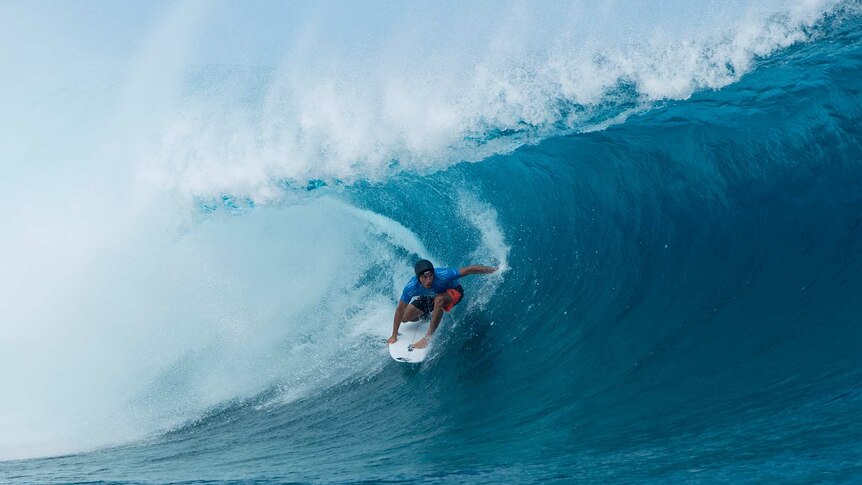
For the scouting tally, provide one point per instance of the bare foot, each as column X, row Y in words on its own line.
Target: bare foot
column 421, row 344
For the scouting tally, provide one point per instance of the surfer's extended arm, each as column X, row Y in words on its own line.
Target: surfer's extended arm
column 476, row 269
column 399, row 317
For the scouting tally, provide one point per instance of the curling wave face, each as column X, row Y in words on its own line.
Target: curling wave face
column 675, row 286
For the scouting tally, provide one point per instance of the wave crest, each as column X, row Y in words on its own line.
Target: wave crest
column 396, row 102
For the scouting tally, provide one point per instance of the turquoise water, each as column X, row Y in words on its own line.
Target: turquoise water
column 679, row 299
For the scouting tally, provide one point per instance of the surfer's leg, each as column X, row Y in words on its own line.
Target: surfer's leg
column 418, row 308
column 441, row 301
column 411, row 314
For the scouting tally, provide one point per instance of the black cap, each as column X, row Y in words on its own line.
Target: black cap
column 422, row 266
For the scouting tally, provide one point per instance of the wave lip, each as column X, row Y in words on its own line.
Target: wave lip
column 397, row 104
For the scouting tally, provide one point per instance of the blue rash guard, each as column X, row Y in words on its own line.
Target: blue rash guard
column 444, row 279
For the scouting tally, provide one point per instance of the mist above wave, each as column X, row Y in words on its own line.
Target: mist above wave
column 338, row 94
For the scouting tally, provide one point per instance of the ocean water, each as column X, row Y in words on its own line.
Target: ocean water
column 211, row 209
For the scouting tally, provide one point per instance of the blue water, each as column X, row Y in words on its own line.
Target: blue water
column 681, row 303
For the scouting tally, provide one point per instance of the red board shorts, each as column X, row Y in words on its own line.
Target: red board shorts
column 426, row 303
column 456, row 297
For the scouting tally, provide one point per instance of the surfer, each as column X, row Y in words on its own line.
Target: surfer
column 437, row 290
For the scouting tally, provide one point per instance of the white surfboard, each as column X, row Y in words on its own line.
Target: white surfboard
column 408, row 334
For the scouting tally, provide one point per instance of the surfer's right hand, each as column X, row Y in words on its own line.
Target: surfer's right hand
column 392, row 339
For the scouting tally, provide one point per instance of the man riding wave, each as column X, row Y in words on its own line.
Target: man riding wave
column 436, row 290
